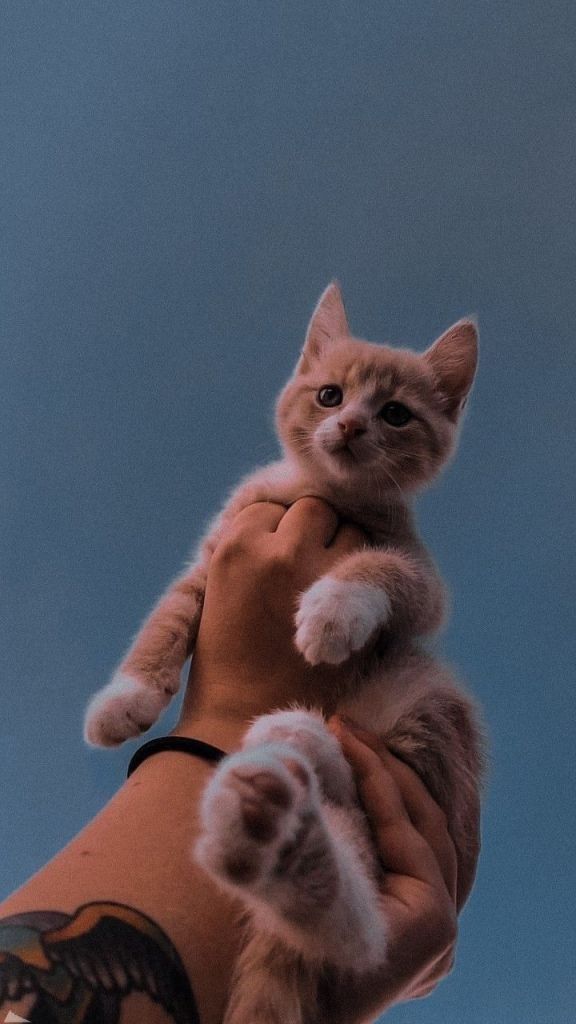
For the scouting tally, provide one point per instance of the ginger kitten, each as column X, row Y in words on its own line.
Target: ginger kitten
column 363, row 426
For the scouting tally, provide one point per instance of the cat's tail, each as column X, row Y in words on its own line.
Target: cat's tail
column 271, row 983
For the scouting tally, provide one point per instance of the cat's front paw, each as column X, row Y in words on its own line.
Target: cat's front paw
column 123, row 709
column 337, row 617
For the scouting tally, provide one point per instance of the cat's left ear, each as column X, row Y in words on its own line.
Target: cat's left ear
column 328, row 322
column 454, row 357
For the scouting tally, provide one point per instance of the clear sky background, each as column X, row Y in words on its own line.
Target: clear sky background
column 180, row 181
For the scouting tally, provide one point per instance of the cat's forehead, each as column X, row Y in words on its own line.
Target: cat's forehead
column 366, row 366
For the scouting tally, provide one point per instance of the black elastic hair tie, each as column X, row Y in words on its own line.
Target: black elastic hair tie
column 180, row 743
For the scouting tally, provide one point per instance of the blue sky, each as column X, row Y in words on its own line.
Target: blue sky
column 180, row 181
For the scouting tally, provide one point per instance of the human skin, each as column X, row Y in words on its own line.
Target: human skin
column 136, row 852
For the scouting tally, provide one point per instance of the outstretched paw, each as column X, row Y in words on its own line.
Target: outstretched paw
column 337, row 617
column 305, row 730
column 257, row 813
column 123, row 709
column 301, row 866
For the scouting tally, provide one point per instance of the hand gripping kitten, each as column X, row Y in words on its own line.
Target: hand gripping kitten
column 363, row 426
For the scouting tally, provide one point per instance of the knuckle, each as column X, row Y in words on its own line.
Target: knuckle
column 436, row 819
column 316, row 508
column 231, row 548
column 441, row 924
column 450, row 964
column 281, row 556
column 313, row 504
column 448, row 928
column 441, row 818
column 425, row 990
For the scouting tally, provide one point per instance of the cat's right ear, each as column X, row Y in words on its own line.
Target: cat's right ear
column 454, row 357
column 328, row 322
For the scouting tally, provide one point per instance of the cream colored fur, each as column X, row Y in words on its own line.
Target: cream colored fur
column 281, row 826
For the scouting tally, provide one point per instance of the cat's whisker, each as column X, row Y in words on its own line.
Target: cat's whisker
column 393, row 479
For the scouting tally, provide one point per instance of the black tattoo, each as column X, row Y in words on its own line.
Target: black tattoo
column 77, row 969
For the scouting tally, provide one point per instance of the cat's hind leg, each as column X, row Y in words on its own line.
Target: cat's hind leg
column 305, row 730
column 301, row 865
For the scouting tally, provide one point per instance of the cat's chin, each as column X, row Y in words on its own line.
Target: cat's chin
column 341, row 471
column 343, row 463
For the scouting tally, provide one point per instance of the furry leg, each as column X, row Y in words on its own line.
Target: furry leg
column 441, row 737
column 148, row 677
column 305, row 730
column 305, row 868
column 271, row 984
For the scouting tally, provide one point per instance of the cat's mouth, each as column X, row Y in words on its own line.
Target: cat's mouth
column 343, row 452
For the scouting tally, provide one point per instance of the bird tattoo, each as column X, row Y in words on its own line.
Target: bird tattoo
column 77, row 969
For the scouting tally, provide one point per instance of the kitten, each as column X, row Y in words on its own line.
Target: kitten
column 363, row 426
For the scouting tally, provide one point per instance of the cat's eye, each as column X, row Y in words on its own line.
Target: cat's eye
column 396, row 414
column 330, row 395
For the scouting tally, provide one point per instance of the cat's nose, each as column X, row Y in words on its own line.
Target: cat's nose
column 351, row 428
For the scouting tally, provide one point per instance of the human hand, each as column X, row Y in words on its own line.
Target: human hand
column 423, row 886
column 245, row 656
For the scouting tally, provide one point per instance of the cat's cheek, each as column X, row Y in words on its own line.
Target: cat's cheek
column 338, row 617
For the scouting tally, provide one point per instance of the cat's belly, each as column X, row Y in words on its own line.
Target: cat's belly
column 392, row 687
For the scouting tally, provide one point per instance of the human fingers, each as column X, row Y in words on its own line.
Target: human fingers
column 308, row 520
column 469, row 862
column 424, row 813
column 428, row 819
column 458, row 865
column 257, row 518
column 430, row 822
column 403, row 850
column 414, row 899
column 348, row 538
column 430, row 979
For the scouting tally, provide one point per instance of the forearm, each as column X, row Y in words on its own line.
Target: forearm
column 137, row 853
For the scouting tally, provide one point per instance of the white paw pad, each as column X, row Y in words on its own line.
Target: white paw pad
column 305, row 731
column 123, row 709
column 337, row 617
column 254, row 812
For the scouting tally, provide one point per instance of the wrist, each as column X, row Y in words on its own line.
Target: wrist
column 220, row 703
column 218, row 706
